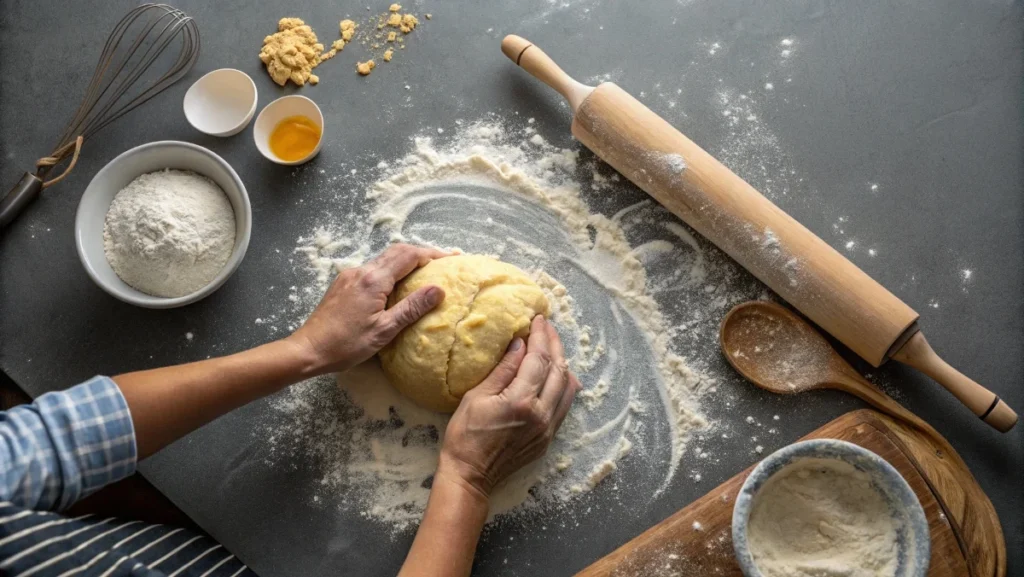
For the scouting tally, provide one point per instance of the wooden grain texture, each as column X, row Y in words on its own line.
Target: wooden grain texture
column 777, row 249
column 966, row 538
column 969, row 510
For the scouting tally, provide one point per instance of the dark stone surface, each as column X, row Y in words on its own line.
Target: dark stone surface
column 923, row 98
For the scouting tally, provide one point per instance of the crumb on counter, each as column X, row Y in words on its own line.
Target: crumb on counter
column 365, row 68
column 348, row 29
column 408, row 23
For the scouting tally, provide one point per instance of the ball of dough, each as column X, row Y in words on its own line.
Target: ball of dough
column 452, row 348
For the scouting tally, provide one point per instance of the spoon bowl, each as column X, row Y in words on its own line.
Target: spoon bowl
column 775, row 349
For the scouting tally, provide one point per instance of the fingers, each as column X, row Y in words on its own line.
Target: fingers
column 503, row 374
column 558, row 375
column 539, row 341
column 557, row 350
column 560, row 385
column 412, row 308
column 401, row 259
column 400, row 252
column 536, row 365
column 565, row 403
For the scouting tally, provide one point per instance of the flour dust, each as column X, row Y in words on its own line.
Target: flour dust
column 635, row 296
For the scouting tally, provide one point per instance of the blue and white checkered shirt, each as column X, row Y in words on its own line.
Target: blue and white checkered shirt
column 61, row 448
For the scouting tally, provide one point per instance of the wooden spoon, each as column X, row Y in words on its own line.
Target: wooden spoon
column 780, row 352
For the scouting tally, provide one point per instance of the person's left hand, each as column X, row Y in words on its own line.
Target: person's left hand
column 351, row 323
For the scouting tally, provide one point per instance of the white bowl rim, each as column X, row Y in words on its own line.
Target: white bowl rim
column 308, row 157
column 241, row 124
column 154, row 302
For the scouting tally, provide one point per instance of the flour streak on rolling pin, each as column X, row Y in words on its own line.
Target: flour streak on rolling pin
column 777, row 249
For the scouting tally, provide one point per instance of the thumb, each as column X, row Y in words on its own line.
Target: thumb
column 411, row 309
column 503, row 374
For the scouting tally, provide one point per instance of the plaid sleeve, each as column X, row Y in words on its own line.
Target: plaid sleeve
column 66, row 445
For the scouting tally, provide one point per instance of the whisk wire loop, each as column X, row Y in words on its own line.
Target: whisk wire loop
column 121, row 65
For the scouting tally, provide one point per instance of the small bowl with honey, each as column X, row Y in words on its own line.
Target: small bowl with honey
column 289, row 130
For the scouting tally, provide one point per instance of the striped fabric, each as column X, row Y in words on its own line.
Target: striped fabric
column 61, row 448
column 47, row 544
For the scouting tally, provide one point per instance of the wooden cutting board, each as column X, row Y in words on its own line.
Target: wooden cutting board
column 965, row 532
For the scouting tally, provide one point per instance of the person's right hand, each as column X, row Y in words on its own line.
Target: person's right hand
column 510, row 418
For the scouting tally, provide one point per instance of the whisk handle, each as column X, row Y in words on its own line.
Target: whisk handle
column 19, row 197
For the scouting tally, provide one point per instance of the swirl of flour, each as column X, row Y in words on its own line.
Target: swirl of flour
column 520, row 201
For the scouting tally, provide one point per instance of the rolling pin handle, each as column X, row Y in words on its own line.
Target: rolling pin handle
column 23, row 193
column 982, row 402
column 514, row 46
column 533, row 60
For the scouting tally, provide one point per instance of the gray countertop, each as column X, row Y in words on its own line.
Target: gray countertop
column 922, row 99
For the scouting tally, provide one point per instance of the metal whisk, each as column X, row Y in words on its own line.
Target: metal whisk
column 120, row 83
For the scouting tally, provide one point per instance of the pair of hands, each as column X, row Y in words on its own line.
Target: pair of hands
column 502, row 424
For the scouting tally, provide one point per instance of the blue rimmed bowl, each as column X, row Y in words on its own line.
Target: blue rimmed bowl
column 912, row 540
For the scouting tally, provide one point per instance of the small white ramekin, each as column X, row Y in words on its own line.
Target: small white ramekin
column 278, row 110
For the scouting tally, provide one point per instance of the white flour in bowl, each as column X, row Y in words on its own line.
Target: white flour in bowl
column 822, row 517
column 168, row 233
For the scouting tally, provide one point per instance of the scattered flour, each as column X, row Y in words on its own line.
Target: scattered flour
column 594, row 396
column 491, row 190
column 633, row 289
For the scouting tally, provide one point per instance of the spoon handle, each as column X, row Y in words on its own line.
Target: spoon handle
column 852, row 382
column 982, row 402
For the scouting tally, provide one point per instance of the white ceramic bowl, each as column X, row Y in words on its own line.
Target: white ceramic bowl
column 221, row 103
column 278, row 110
column 92, row 212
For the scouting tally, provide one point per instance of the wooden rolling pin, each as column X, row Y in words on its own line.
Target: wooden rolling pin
column 778, row 250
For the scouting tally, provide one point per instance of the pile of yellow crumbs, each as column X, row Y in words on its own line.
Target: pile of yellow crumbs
column 292, row 53
column 348, row 31
column 294, row 50
column 388, row 27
